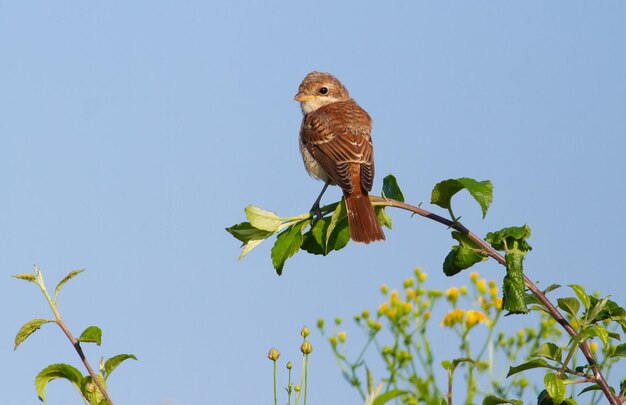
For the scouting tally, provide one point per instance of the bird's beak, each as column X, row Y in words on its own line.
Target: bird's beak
column 302, row 97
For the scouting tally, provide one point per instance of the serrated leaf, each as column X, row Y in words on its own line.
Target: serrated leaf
column 463, row 256
column 388, row 396
column 391, row 190
column 245, row 232
column 28, row 329
column 581, row 294
column 67, row 278
column 510, row 239
column 54, row 371
column 550, row 351
column 92, row 334
column 383, row 218
column 287, row 244
column 569, row 304
column 112, row 363
column 26, row 276
column 555, row 387
column 600, row 310
column 481, row 191
column 513, row 288
column 263, row 219
column 494, row 400
column 536, row 363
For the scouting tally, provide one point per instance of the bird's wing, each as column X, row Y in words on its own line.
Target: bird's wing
column 338, row 136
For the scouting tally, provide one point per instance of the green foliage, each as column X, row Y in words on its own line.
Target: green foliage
column 463, row 256
column 391, row 189
column 481, row 191
column 28, row 329
column 92, row 391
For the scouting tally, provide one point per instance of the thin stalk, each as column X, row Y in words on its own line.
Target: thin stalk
column 59, row 321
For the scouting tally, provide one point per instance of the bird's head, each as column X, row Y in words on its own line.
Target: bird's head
column 319, row 89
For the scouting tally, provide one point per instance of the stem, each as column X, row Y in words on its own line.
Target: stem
column 73, row 341
column 306, row 376
column 494, row 254
column 275, row 398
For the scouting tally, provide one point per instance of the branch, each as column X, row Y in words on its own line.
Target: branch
column 494, row 254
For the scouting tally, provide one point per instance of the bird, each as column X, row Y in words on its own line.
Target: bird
column 336, row 147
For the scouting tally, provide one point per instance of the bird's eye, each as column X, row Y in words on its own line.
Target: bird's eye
column 323, row 91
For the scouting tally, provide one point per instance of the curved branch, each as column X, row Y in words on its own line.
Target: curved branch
column 494, row 254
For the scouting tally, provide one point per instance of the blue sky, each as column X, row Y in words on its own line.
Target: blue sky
column 133, row 133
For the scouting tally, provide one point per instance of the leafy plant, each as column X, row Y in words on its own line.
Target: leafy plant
column 92, row 386
column 519, row 295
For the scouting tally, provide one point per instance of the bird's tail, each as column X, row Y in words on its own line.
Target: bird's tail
column 362, row 219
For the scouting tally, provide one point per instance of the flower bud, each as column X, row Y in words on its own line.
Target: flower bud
column 306, row 347
column 289, row 365
column 274, row 354
column 305, row 332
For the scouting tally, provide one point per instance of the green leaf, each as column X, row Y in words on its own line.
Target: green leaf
column 391, row 190
column 340, row 214
column 112, row 363
column 570, row 305
column 595, row 330
column 56, row 371
column 383, row 218
column 67, row 278
column 314, row 238
column 463, row 256
column 26, row 276
column 263, row 219
column 513, row 288
column 536, row 363
column 551, row 287
column 550, row 351
column 28, row 329
column 388, row 396
column 581, row 294
column 481, row 191
column 600, row 310
column 593, row 387
column 287, row 244
column 92, row 334
column 245, row 232
column 555, row 387
column 510, row 239
column 620, row 351
column 494, row 400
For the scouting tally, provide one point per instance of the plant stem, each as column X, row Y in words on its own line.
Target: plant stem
column 494, row 254
column 73, row 341
column 275, row 397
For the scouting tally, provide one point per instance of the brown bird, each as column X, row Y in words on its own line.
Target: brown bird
column 336, row 146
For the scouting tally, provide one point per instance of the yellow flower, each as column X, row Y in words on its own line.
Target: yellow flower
column 305, row 332
column 417, row 272
column 422, row 277
column 378, row 326
column 342, row 336
column 493, row 291
column 408, row 307
column 333, row 341
column 453, row 317
column 410, row 294
column 482, row 286
column 409, row 282
column 463, row 290
column 306, row 347
column 492, row 283
column 392, row 313
column 473, row 317
column 474, row 276
column 383, row 308
column 593, row 346
column 452, row 294
column 427, row 315
column 498, row 303
column 384, row 289
column 393, row 298
column 365, row 314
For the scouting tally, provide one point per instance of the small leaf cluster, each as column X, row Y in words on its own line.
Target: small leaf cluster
column 90, row 390
column 600, row 320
